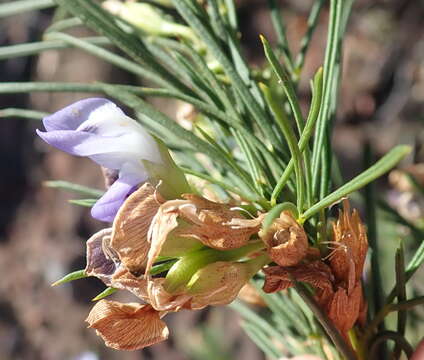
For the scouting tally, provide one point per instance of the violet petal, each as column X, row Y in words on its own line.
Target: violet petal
column 72, row 116
column 108, row 205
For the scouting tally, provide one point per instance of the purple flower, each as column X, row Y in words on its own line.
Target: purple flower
column 98, row 129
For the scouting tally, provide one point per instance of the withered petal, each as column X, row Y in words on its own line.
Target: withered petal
column 286, row 240
column 127, row 326
column 124, row 280
column 162, row 224
column 216, row 225
column 161, row 300
column 219, row 236
column 98, row 263
column 131, row 225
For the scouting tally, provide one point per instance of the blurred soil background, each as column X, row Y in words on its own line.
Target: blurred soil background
column 42, row 236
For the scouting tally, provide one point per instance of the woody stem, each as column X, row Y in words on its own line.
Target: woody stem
column 326, row 323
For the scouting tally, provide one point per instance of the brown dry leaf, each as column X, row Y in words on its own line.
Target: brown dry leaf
column 131, row 225
column 350, row 239
column 127, row 326
column 286, row 240
column 99, row 264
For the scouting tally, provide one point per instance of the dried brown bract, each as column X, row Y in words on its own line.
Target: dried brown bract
column 350, row 247
column 336, row 279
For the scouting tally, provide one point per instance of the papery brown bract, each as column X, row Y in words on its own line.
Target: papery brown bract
column 286, row 240
column 344, row 308
column 351, row 246
column 316, row 274
column 127, row 326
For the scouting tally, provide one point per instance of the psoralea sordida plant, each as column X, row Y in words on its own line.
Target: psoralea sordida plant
column 235, row 194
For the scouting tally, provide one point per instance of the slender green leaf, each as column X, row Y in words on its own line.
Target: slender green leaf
column 401, row 296
column 285, row 82
column 306, row 133
column 379, row 168
column 331, row 77
column 83, row 202
column 108, row 56
column 79, row 189
column 22, row 113
column 306, row 40
column 108, row 291
column 16, row 7
column 290, row 137
column 283, row 44
column 258, row 113
column 12, row 51
column 79, row 274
